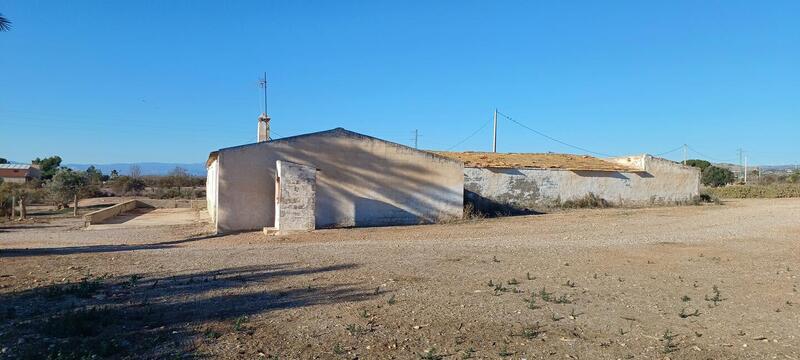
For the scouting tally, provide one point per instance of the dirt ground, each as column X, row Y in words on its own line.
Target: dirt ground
column 583, row 284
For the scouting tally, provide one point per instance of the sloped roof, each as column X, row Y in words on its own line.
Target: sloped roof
column 535, row 161
column 15, row 166
column 332, row 132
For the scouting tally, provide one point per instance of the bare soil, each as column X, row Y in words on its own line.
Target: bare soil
column 605, row 284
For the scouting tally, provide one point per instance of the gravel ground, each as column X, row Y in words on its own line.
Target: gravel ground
column 605, row 284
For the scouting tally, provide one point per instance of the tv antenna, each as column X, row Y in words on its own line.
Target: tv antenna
column 262, row 83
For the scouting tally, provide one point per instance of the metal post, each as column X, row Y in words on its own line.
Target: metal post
column 416, row 138
column 684, row 153
column 745, row 169
column 494, row 132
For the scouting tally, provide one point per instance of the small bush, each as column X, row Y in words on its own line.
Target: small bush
column 716, row 176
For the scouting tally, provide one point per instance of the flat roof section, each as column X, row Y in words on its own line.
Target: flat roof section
column 535, row 161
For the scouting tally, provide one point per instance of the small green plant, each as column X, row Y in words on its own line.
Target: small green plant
column 716, row 296
column 494, row 259
column 391, row 300
column 490, row 283
column 556, row 317
column 133, row 281
column 468, row 353
column 431, row 354
column 685, row 298
column 238, row 324
column 685, row 315
column 211, row 334
column 532, row 332
column 337, row 349
column 513, row 282
column 532, row 302
column 364, row 314
column 356, row 330
column 504, row 353
column 545, row 295
column 563, row 299
column 499, row 289
column 669, row 345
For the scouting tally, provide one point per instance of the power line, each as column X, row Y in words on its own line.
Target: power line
column 708, row 157
column 470, row 136
column 554, row 139
column 669, row 152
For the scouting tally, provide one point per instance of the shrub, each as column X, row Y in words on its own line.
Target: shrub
column 702, row 164
column 716, row 176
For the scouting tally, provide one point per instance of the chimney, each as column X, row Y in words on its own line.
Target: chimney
column 263, row 127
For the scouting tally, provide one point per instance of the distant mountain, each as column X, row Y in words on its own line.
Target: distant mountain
column 147, row 168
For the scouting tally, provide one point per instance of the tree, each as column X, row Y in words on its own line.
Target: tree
column 5, row 24
column 15, row 194
column 95, row 175
column 702, row 164
column 716, row 176
column 3, row 161
column 135, row 171
column 48, row 166
column 114, row 174
column 123, row 185
column 68, row 184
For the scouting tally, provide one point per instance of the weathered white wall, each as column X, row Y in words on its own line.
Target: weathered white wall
column 662, row 181
column 294, row 203
column 362, row 181
column 212, row 190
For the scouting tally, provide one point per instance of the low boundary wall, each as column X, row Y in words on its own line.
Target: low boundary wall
column 97, row 217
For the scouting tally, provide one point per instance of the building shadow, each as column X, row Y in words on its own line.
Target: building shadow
column 157, row 316
column 90, row 249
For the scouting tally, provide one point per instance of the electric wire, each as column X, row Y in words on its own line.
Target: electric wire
column 552, row 138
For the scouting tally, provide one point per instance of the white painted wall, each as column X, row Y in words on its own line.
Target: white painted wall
column 662, row 181
column 212, row 190
column 362, row 181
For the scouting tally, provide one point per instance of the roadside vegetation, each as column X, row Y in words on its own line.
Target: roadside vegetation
column 62, row 188
column 722, row 183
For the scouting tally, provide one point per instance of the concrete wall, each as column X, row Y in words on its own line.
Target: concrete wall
column 97, row 217
column 294, row 203
column 212, row 190
column 661, row 181
column 362, row 181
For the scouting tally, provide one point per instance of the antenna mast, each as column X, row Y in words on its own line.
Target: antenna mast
column 262, row 83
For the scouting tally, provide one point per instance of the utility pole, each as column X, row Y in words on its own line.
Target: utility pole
column 741, row 154
column 685, row 151
column 494, row 132
column 745, row 169
column 416, row 138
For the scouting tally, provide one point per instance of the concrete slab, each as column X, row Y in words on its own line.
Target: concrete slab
column 144, row 217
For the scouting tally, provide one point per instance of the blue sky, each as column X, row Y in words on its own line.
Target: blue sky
column 169, row 81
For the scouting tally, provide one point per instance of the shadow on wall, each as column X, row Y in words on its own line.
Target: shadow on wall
column 371, row 212
column 156, row 317
column 486, row 207
column 375, row 189
column 605, row 174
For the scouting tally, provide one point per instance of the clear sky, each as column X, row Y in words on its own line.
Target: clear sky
column 170, row 81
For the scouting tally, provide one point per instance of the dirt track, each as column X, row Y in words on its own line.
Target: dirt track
column 622, row 277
